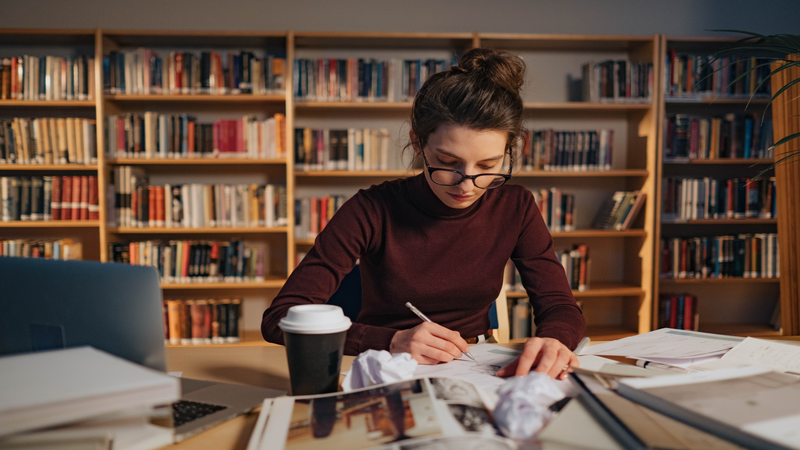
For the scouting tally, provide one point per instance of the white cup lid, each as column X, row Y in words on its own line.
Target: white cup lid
column 315, row 319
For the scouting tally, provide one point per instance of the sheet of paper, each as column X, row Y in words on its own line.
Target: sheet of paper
column 769, row 354
column 490, row 358
column 684, row 363
column 666, row 343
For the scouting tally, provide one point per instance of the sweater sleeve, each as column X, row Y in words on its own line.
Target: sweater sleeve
column 556, row 313
column 349, row 233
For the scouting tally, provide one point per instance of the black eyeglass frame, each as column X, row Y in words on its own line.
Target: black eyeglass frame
column 506, row 176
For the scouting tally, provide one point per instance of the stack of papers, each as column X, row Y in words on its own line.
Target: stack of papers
column 53, row 388
column 667, row 343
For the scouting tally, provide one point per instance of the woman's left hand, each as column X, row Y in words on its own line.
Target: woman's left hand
column 545, row 355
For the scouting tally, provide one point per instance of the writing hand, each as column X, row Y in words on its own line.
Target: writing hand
column 429, row 343
column 547, row 355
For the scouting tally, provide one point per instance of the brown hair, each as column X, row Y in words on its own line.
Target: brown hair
column 481, row 92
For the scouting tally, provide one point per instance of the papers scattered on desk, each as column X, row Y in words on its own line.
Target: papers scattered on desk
column 667, row 343
column 481, row 372
column 762, row 353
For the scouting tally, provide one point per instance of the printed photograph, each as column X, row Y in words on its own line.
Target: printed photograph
column 363, row 419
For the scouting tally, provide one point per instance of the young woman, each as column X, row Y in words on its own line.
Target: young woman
column 441, row 239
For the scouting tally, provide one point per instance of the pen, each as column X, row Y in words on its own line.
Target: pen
column 649, row 364
column 581, row 345
column 425, row 318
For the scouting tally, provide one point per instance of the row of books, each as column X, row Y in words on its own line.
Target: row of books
column 703, row 75
column 571, row 151
column 557, row 209
column 617, row 82
column 619, row 212
column 357, row 79
column 744, row 255
column 47, row 78
column 143, row 71
column 351, row 149
column 49, row 198
column 178, row 136
column 311, row 214
column 730, row 137
column 66, row 249
column 707, row 198
column 577, row 266
column 69, row 140
column 678, row 311
column 141, row 205
column 197, row 322
column 196, row 261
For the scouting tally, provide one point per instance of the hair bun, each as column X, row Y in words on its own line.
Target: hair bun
column 502, row 68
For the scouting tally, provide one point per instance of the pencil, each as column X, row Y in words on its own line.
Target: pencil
column 425, row 318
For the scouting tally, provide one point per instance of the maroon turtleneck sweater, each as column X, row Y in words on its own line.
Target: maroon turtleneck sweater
column 448, row 262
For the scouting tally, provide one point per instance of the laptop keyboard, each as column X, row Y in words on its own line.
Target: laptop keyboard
column 186, row 411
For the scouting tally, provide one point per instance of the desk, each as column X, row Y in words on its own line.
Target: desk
column 257, row 366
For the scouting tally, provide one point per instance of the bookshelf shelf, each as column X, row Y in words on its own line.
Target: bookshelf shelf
column 355, row 174
column 704, row 162
column 207, row 230
column 52, row 224
column 721, row 222
column 246, row 98
column 48, row 103
column 586, row 174
column 275, row 283
column 195, row 161
column 740, row 329
column 597, row 290
column 718, row 280
column 250, row 338
column 305, row 242
column 43, row 167
column 400, row 106
column 711, row 101
column 586, row 106
column 599, row 233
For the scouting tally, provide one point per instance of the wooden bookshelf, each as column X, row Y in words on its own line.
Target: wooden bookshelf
column 399, row 106
column 204, row 230
column 599, row 233
column 51, row 224
column 194, row 161
column 751, row 221
column 736, row 299
column 582, row 174
column 601, row 333
column 250, row 338
column 272, row 283
column 355, row 174
column 49, row 167
column 595, row 290
column 241, row 98
column 47, row 103
column 739, row 280
column 586, row 106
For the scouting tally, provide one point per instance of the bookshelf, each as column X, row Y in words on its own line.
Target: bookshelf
column 62, row 43
column 623, row 297
column 618, row 300
column 729, row 305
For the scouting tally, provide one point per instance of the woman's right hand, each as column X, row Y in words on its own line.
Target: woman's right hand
column 429, row 343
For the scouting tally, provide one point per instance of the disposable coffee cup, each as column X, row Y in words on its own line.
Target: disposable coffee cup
column 314, row 336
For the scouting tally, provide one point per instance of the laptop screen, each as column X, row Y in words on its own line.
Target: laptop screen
column 49, row 304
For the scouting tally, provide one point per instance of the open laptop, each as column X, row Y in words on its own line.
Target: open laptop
column 117, row 308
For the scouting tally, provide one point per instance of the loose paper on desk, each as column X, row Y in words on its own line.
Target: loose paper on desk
column 667, row 343
column 481, row 372
column 762, row 353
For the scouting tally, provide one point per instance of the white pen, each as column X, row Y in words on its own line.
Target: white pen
column 581, row 345
column 425, row 318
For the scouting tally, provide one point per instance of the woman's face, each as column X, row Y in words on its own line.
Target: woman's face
column 468, row 151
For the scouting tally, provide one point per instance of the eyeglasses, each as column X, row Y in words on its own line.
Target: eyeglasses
column 449, row 177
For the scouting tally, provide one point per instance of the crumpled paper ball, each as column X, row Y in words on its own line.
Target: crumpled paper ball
column 374, row 367
column 523, row 408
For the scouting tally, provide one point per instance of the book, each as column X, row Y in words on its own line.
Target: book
column 431, row 412
column 74, row 384
column 752, row 418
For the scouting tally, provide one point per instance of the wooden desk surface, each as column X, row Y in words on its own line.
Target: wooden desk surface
column 257, row 366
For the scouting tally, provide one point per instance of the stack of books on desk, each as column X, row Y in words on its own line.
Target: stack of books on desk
column 81, row 398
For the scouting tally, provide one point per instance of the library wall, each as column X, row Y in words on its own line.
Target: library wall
column 676, row 17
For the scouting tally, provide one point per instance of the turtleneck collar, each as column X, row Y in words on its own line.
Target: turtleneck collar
column 423, row 197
